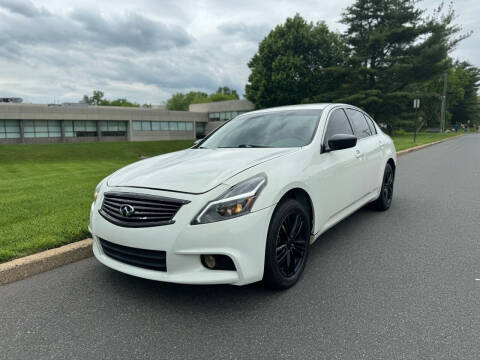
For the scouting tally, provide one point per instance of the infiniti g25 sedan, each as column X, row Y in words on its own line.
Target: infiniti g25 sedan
column 245, row 203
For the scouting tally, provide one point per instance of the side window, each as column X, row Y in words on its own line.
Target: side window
column 337, row 124
column 359, row 123
column 371, row 123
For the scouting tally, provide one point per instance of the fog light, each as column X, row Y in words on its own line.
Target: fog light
column 209, row 261
column 217, row 262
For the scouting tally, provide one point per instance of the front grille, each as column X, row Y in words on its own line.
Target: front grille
column 139, row 210
column 147, row 259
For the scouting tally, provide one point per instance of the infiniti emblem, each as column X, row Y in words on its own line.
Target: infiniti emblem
column 127, row 210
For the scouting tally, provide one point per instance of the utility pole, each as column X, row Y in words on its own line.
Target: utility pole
column 416, row 106
column 444, row 103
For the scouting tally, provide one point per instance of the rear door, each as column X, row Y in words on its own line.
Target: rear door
column 369, row 147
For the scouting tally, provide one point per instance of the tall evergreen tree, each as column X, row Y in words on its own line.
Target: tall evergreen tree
column 394, row 48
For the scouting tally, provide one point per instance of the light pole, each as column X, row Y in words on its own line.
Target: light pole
column 444, row 101
column 416, row 106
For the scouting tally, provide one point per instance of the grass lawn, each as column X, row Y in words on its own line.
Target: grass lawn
column 46, row 190
column 405, row 141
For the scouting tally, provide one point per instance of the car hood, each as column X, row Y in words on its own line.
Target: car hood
column 193, row 171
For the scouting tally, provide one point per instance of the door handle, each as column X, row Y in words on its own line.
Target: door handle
column 358, row 154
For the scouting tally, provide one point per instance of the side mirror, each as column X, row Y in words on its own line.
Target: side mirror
column 197, row 141
column 342, row 141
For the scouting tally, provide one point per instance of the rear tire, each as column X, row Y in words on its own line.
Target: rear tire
column 287, row 245
column 386, row 192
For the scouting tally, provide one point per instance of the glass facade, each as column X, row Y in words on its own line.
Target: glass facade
column 224, row 116
column 42, row 128
column 80, row 128
column 162, row 125
column 9, row 129
column 113, row 128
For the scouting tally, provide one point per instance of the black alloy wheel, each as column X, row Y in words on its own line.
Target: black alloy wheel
column 386, row 194
column 287, row 245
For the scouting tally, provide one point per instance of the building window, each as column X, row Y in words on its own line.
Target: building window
column 163, row 126
column 200, row 127
column 137, row 125
column 42, row 128
column 9, row 129
column 113, row 128
column 224, row 116
column 80, row 128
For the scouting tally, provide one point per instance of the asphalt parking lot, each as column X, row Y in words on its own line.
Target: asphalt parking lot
column 395, row 285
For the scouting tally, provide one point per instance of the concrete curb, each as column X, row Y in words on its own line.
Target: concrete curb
column 27, row 266
column 22, row 268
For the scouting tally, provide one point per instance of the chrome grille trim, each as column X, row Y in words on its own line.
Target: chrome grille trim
column 149, row 210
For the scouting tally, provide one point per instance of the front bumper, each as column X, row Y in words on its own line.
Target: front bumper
column 243, row 239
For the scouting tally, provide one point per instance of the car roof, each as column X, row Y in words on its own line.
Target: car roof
column 321, row 106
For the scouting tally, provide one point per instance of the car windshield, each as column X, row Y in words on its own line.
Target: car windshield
column 278, row 129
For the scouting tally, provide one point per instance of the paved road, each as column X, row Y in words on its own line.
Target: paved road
column 394, row 285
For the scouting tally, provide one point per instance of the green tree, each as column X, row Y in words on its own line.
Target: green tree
column 466, row 109
column 295, row 61
column 95, row 99
column 223, row 94
column 122, row 102
column 394, row 48
column 461, row 105
column 98, row 99
column 181, row 101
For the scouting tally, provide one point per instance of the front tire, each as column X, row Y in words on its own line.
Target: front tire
column 386, row 192
column 287, row 246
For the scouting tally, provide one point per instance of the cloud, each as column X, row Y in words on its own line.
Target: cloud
column 145, row 50
column 23, row 7
column 133, row 31
column 248, row 32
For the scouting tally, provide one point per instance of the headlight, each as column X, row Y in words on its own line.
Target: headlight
column 236, row 201
column 97, row 190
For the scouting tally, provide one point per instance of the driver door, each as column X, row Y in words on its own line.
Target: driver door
column 336, row 181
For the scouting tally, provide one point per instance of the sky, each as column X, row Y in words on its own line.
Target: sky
column 146, row 50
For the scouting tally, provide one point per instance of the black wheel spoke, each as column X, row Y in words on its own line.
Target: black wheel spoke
column 298, row 230
column 281, row 254
column 289, row 261
column 299, row 244
column 294, row 227
column 284, row 230
column 291, row 244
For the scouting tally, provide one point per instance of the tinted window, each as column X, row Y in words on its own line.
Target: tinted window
column 337, row 124
column 273, row 129
column 359, row 123
column 372, row 124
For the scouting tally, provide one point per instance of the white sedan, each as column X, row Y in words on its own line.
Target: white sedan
column 245, row 203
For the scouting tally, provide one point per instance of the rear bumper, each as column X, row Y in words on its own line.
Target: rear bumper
column 243, row 239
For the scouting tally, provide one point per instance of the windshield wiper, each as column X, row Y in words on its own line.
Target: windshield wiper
column 251, row 146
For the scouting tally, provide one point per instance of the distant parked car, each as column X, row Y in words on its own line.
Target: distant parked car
column 245, row 203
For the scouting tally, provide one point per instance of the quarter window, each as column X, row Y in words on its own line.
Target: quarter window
column 337, row 124
column 359, row 124
column 371, row 123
